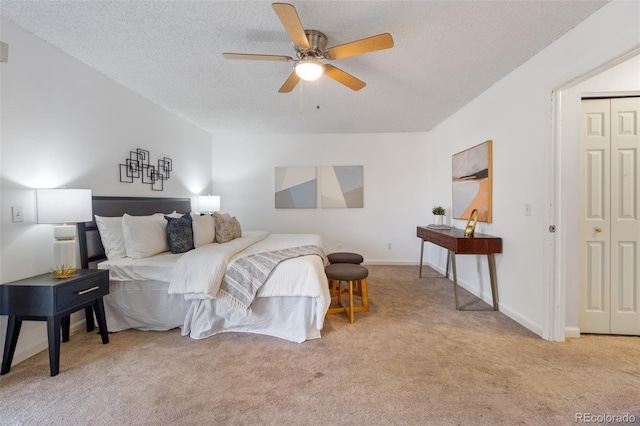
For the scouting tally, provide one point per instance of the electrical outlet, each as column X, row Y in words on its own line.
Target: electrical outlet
column 389, row 246
column 339, row 245
column 16, row 214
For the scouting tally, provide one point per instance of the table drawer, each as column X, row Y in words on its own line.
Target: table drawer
column 437, row 238
column 429, row 235
column 81, row 292
column 422, row 233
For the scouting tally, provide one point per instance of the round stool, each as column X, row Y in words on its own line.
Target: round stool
column 344, row 257
column 354, row 275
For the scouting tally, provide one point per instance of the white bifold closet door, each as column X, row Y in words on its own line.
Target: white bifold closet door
column 610, row 223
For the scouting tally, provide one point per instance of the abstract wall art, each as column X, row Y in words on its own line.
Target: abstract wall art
column 472, row 182
column 295, row 187
column 341, row 187
column 138, row 166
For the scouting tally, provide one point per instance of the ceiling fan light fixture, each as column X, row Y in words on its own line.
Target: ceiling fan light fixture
column 309, row 69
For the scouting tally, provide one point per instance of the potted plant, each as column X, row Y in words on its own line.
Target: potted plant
column 438, row 214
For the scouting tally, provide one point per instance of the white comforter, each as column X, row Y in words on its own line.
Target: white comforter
column 199, row 273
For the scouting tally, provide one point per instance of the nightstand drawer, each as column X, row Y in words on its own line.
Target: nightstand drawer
column 79, row 292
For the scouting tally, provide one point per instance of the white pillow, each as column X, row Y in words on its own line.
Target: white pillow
column 144, row 236
column 204, row 229
column 111, row 235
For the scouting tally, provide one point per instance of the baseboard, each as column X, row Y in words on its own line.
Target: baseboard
column 525, row 322
column 35, row 345
column 391, row 262
column 572, row 332
column 487, row 298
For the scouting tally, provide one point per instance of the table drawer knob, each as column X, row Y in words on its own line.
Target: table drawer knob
column 89, row 290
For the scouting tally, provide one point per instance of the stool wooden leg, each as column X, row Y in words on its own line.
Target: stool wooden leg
column 336, row 290
column 351, row 302
column 357, row 288
column 332, row 288
column 365, row 294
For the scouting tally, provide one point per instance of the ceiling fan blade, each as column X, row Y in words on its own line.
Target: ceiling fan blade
column 342, row 77
column 290, row 83
column 358, row 47
column 253, row 57
column 291, row 23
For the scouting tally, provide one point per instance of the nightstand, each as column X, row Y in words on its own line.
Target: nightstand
column 44, row 298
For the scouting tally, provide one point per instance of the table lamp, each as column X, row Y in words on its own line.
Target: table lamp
column 209, row 203
column 63, row 207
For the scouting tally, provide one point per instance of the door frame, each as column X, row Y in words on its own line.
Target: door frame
column 565, row 133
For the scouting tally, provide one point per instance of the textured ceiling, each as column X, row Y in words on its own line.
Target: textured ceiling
column 446, row 53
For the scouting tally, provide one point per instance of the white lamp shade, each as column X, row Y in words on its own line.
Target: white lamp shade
column 64, row 205
column 209, row 203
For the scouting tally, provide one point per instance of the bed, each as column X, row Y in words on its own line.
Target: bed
column 165, row 290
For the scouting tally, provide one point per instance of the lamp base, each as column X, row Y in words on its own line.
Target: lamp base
column 64, row 232
column 64, row 258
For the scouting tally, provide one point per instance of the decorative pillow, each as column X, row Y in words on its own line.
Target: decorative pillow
column 227, row 227
column 223, row 216
column 111, row 235
column 179, row 233
column 144, row 236
column 204, row 229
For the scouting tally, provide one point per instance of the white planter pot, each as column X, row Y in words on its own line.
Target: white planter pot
column 438, row 219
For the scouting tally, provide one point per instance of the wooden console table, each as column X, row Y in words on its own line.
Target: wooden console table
column 456, row 243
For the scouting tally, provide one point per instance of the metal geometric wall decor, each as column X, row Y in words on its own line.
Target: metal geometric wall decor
column 137, row 167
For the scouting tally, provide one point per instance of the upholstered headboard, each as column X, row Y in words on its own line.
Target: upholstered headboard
column 91, row 250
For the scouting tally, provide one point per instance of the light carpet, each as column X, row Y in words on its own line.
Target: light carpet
column 412, row 360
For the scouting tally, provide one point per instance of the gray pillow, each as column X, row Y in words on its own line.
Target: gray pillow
column 227, row 229
column 179, row 233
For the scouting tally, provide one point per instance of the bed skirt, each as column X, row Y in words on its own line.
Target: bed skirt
column 146, row 305
column 290, row 318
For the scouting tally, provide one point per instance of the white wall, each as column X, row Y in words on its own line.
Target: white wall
column 624, row 78
column 620, row 79
column 395, row 196
column 65, row 124
column 516, row 114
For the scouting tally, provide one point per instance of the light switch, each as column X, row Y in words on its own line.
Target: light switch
column 527, row 209
column 16, row 214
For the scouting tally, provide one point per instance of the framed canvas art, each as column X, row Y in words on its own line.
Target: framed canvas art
column 295, row 187
column 341, row 187
column 472, row 182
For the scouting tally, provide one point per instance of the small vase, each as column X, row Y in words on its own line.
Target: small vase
column 438, row 219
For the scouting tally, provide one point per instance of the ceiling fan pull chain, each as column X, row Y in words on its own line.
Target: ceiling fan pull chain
column 301, row 112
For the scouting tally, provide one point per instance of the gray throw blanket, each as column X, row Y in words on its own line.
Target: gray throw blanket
column 246, row 275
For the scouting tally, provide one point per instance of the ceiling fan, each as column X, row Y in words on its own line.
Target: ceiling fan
column 310, row 49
